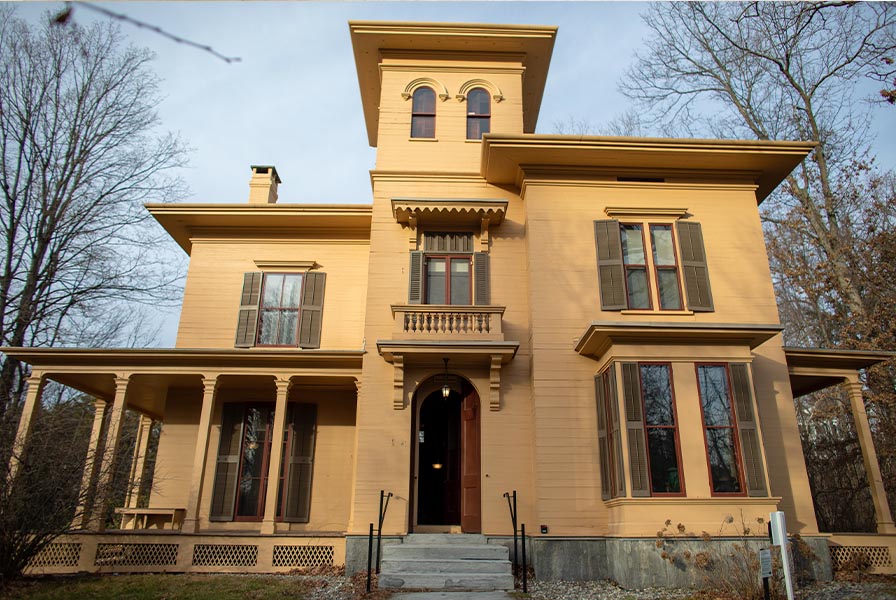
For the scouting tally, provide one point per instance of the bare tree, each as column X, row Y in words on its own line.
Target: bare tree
column 79, row 154
column 771, row 70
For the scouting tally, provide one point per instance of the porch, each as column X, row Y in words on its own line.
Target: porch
column 205, row 509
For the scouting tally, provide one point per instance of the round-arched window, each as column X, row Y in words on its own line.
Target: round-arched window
column 423, row 113
column 478, row 113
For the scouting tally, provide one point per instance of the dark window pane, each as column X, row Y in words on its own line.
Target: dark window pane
column 713, row 382
column 638, row 293
column 248, row 498
column 632, row 245
column 424, row 101
column 722, row 460
column 273, row 289
column 657, row 390
column 460, row 281
column 478, row 102
column 423, row 126
column 663, row 461
column 476, row 126
column 435, row 281
column 663, row 250
column 670, row 298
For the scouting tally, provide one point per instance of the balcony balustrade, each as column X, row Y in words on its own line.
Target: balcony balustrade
column 444, row 322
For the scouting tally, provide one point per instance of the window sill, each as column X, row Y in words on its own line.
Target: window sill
column 479, row 141
column 413, row 139
column 671, row 313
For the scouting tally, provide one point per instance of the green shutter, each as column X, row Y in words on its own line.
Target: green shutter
column 634, row 421
column 480, row 278
column 312, row 310
column 613, row 402
column 415, row 278
column 228, row 463
column 610, row 270
column 248, row 315
column 693, row 266
column 750, row 445
column 300, row 462
column 603, row 447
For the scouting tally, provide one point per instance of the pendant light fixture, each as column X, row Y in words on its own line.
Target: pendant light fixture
column 446, row 389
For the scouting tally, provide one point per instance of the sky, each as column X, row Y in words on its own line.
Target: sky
column 293, row 101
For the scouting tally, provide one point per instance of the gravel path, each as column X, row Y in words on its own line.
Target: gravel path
column 340, row 588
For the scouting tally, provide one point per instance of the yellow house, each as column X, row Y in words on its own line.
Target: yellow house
column 587, row 321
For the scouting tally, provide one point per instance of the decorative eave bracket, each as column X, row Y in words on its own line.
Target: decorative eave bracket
column 448, row 211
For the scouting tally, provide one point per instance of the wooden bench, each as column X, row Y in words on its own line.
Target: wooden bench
column 151, row 518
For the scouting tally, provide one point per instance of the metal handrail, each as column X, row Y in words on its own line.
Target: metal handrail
column 379, row 537
column 511, row 504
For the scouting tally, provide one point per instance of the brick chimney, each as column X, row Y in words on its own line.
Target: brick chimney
column 263, row 185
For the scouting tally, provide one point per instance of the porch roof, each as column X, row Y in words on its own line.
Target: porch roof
column 814, row 369
column 601, row 335
column 154, row 370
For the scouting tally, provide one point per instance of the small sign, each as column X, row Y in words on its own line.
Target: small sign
column 765, row 563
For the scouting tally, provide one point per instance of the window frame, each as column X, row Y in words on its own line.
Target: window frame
column 265, row 462
column 735, row 432
column 645, row 266
column 423, row 115
column 478, row 117
column 675, row 427
column 657, row 268
column 448, row 258
column 261, row 309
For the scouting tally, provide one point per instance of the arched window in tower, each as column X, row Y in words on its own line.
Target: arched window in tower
column 423, row 113
column 478, row 113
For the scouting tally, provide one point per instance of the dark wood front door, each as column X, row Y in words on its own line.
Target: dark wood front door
column 471, row 497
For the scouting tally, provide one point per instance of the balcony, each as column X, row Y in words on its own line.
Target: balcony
column 439, row 322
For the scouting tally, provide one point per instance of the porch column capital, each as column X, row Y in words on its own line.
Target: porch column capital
column 882, row 514
column 283, row 385
column 210, row 383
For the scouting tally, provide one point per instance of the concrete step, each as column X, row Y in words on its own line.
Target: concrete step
column 442, row 565
column 446, row 581
column 447, row 551
column 444, row 538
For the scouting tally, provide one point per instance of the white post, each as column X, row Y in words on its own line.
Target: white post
column 779, row 538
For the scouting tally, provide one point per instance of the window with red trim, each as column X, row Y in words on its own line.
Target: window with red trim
column 720, row 429
column 634, row 258
column 661, row 429
column 279, row 311
column 479, row 113
column 662, row 241
column 448, row 280
column 423, row 113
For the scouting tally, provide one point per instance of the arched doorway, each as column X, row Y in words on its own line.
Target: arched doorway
column 446, row 460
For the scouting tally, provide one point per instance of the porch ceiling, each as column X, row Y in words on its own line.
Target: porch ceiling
column 599, row 336
column 814, row 369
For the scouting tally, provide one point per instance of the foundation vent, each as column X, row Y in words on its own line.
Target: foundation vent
column 303, row 556
column 874, row 556
column 56, row 555
column 225, row 555
column 135, row 555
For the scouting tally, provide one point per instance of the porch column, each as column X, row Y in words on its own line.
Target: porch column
column 26, row 424
column 882, row 514
column 276, row 459
column 209, row 389
column 91, row 466
column 103, row 495
column 138, row 464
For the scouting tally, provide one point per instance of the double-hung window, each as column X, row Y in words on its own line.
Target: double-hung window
column 661, row 429
column 479, row 114
column 423, row 113
column 447, row 271
column 646, row 266
column 281, row 309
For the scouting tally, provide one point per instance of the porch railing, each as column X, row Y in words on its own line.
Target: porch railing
column 436, row 321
